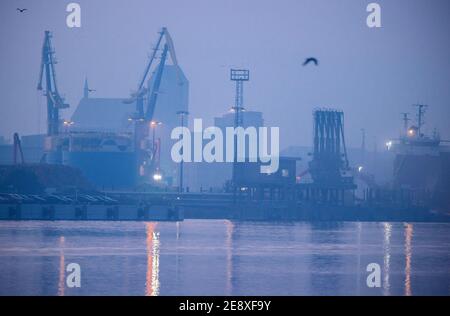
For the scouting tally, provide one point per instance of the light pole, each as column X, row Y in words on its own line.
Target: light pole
column 155, row 163
column 153, row 125
column 239, row 76
column 182, row 115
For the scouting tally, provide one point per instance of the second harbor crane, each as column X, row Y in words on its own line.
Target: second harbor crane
column 147, row 156
column 55, row 102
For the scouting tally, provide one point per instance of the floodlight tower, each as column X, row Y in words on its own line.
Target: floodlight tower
column 239, row 76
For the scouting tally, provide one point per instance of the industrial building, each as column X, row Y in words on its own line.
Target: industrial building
column 101, row 114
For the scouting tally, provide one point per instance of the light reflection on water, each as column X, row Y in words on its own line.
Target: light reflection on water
column 229, row 249
column 152, row 275
column 387, row 256
column 62, row 268
column 408, row 256
column 215, row 257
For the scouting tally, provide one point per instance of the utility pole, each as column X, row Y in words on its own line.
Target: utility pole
column 182, row 115
column 239, row 76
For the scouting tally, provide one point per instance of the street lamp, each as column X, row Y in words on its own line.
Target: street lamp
column 157, row 176
column 182, row 115
column 67, row 124
column 153, row 125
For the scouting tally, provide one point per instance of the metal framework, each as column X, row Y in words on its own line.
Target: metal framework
column 239, row 76
column 330, row 153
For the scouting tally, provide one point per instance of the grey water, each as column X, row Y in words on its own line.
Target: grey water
column 221, row 257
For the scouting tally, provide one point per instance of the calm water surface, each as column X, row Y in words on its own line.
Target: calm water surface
column 217, row 257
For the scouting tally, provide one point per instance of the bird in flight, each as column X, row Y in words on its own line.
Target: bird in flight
column 311, row 60
column 21, row 10
column 92, row 90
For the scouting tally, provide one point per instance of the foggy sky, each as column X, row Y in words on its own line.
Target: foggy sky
column 371, row 74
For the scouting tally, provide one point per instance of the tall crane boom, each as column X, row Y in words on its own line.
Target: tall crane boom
column 155, row 87
column 140, row 89
column 141, row 92
column 143, row 118
column 54, row 100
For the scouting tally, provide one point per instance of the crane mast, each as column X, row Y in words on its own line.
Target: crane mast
column 54, row 100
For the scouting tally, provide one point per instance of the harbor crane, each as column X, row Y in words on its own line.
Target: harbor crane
column 141, row 91
column 55, row 101
column 143, row 118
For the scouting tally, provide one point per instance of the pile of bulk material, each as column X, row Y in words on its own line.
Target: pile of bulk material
column 38, row 178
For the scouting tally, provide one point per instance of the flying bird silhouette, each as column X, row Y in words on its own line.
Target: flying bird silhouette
column 311, row 60
column 21, row 10
column 92, row 90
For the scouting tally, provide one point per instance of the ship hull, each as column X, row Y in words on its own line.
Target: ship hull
column 108, row 170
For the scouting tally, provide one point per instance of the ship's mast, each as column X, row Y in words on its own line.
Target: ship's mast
column 420, row 116
column 406, row 119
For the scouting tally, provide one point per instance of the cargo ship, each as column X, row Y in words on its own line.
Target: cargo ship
column 107, row 159
column 422, row 162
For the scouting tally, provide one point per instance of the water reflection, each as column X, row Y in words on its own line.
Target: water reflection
column 328, row 236
column 387, row 230
column 408, row 254
column 152, row 274
column 177, row 257
column 218, row 257
column 62, row 267
column 358, row 263
column 229, row 249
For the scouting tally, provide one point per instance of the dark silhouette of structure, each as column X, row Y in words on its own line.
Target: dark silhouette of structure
column 55, row 101
column 330, row 163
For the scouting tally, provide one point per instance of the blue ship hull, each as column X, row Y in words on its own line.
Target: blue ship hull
column 106, row 170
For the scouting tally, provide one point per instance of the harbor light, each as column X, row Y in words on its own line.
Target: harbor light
column 411, row 132
column 153, row 124
column 360, row 168
column 389, row 145
column 157, row 177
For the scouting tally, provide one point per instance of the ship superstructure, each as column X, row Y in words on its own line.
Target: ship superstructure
column 422, row 162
